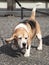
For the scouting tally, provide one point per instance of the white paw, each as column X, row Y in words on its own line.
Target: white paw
column 26, row 55
column 39, row 48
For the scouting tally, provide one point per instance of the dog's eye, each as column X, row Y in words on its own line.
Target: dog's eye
column 25, row 37
column 20, row 38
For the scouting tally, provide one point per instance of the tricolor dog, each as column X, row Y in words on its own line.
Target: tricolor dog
column 25, row 31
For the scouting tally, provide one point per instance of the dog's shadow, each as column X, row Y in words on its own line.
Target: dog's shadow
column 6, row 49
column 46, row 40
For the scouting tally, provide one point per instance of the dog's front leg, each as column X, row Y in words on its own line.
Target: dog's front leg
column 27, row 53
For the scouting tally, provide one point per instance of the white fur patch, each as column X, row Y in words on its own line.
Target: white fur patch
column 39, row 36
column 34, row 8
column 21, row 25
column 40, row 45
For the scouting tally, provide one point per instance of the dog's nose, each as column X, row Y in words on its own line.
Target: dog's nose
column 24, row 44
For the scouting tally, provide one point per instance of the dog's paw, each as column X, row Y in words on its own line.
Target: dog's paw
column 26, row 55
column 39, row 48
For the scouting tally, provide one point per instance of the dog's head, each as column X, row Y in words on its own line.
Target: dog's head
column 21, row 35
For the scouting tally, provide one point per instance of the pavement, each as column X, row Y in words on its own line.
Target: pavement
column 8, row 56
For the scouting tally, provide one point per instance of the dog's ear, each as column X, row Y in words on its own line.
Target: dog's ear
column 9, row 40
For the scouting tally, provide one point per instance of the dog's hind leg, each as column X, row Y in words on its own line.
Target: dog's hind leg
column 39, row 35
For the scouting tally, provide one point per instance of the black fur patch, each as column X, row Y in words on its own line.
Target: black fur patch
column 32, row 23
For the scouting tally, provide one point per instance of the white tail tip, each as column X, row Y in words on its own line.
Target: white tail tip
column 38, row 4
column 34, row 8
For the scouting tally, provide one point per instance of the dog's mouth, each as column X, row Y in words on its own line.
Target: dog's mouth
column 24, row 46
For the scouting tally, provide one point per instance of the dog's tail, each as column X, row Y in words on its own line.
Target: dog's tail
column 34, row 10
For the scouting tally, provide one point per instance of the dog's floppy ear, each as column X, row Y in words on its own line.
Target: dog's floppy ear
column 10, row 39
